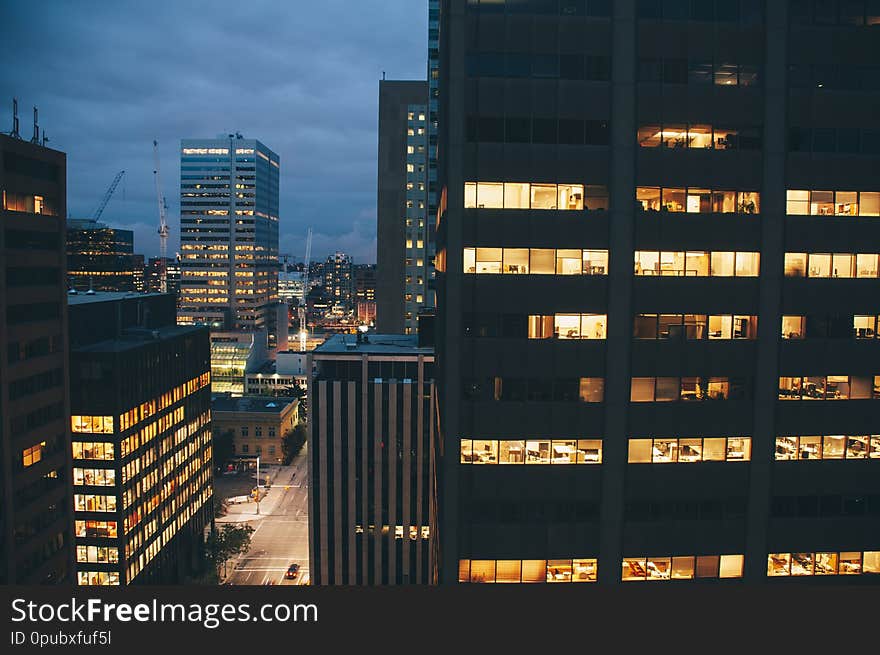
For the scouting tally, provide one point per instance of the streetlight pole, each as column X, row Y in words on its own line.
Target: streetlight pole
column 258, row 484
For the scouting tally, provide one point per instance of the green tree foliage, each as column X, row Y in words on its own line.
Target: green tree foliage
column 293, row 442
column 227, row 541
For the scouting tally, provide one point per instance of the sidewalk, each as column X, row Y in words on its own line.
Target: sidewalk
column 245, row 512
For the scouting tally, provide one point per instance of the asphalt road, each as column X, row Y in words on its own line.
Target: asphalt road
column 281, row 535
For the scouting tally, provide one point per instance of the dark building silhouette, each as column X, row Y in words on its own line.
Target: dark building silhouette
column 35, row 493
column 657, row 290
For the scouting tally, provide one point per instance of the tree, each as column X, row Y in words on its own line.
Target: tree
column 293, row 442
column 227, row 541
column 220, row 506
column 223, row 448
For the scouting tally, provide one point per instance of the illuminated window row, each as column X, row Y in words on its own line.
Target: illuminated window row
column 527, row 570
column 535, row 261
column 835, row 563
column 103, row 529
column 670, row 389
column 526, row 195
column 568, row 326
column 94, row 477
column 832, row 203
column 94, row 503
column 695, row 326
column 670, row 450
column 531, row 451
column 829, row 387
column 685, row 567
column 824, row 264
column 698, row 135
column 832, row 326
column 92, row 450
column 92, row 424
column 97, row 554
column 693, row 200
column 697, row 263
column 828, row 447
column 97, row 578
column 415, row 532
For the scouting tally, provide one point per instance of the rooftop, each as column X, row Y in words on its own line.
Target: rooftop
column 83, row 297
column 264, row 404
column 132, row 338
column 373, row 344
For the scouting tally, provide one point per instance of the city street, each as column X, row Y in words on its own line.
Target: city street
column 281, row 530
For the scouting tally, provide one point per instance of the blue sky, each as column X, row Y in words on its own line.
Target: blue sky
column 110, row 76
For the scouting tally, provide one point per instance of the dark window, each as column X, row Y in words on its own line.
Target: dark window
column 800, row 76
column 545, row 66
column 824, row 12
column 571, row 7
column 871, row 142
column 597, row 68
column 700, row 72
column 799, row 139
column 518, row 130
column 702, row 10
column 675, row 9
column 799, row 11
column 675, row 71
column 649, row 8
column 852, row 12
column 824, row 139
column 571, row 67
column 491, row 129
column 650, row 70
column 514, row 325
column 571, row 131
column 600, row 8
column 544, row 130
column 596, row 133
column 750, row 138
column 848, row 139
column 727, row 10
column 518, row 65
column 752, row 11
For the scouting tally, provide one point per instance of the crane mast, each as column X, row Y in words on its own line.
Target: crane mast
column 163, row 223
column 303, row 330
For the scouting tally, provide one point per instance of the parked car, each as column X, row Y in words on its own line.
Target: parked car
column 292, row 571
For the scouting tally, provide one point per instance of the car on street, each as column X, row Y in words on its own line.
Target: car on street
column 292, row 571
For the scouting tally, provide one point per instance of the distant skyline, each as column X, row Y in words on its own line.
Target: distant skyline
column 109, row 77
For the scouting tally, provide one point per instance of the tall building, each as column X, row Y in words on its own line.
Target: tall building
column 141, row 422
column 402, row 252
column 139, row 281
column 371, row 462
column 365, row 292
column 153, row 275
column 35, row 492
column 638, row 202
column 433, row 135
column 99, row 257
column 339, row 281
column 228, row 233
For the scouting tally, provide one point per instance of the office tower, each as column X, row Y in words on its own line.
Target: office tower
column 99, row 257
column 141, row 422
column 257, row 423
column 403, row 267
column 365, row 292
column 228, row 233
column 153, row 275
column 371, row 463
column 35, row 493
column 433, row 130
column 339, row 281
column 642, row 376
column 139, row 269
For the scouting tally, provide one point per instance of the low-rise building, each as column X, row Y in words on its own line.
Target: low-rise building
column 258, row 424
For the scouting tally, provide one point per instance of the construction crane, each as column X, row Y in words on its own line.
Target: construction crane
column 106, row 198
column 303, row 329
column 163, row 223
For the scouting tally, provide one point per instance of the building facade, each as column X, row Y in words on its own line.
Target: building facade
column 36, row 539
column 339, row 282
column 99, row 257
column 258, row 424
column 638, row 201
column 403, row 250
column 153, row 275
column 228, row 233
column 142, row 454
column 233, row 355
column 371, row 462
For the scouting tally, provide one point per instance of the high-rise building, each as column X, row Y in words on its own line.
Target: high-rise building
column 99, row 257
column 228, row 233
column 433, row 130
column 339, row 281
column 35, row 494
column 371, row 461
column 153, row 275
column 139, row 270
column 639, row 200
column 403, row 268
column 141, row 422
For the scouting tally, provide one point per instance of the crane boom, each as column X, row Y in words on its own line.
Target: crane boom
column 163, row 223
column 107, row 195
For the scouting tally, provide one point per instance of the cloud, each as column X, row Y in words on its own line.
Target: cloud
column 109, row 77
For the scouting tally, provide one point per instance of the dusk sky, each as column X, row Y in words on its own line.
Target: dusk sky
column 108, row 77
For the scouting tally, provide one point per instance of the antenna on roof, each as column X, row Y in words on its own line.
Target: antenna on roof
column 14, row 134
column 46, row 140
column 36, row 137
column 383, row 75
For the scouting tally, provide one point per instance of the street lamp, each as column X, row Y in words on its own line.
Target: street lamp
column 258, row 484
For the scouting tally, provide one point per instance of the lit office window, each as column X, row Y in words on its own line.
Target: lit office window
column 832, row 203
column 527, row 571
column 535, row 261
column 695, row 326
column 823, row 563
column 790, row 448
column 33, row 454
column 531, row 451
column 532, row 195
column 694, row 200
column 831, row 265
column 93, row 450
column 682, row 567
column 686, row 389
column 829, row 387
column 697, row 263
column 673, row 450
column 92, row 424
